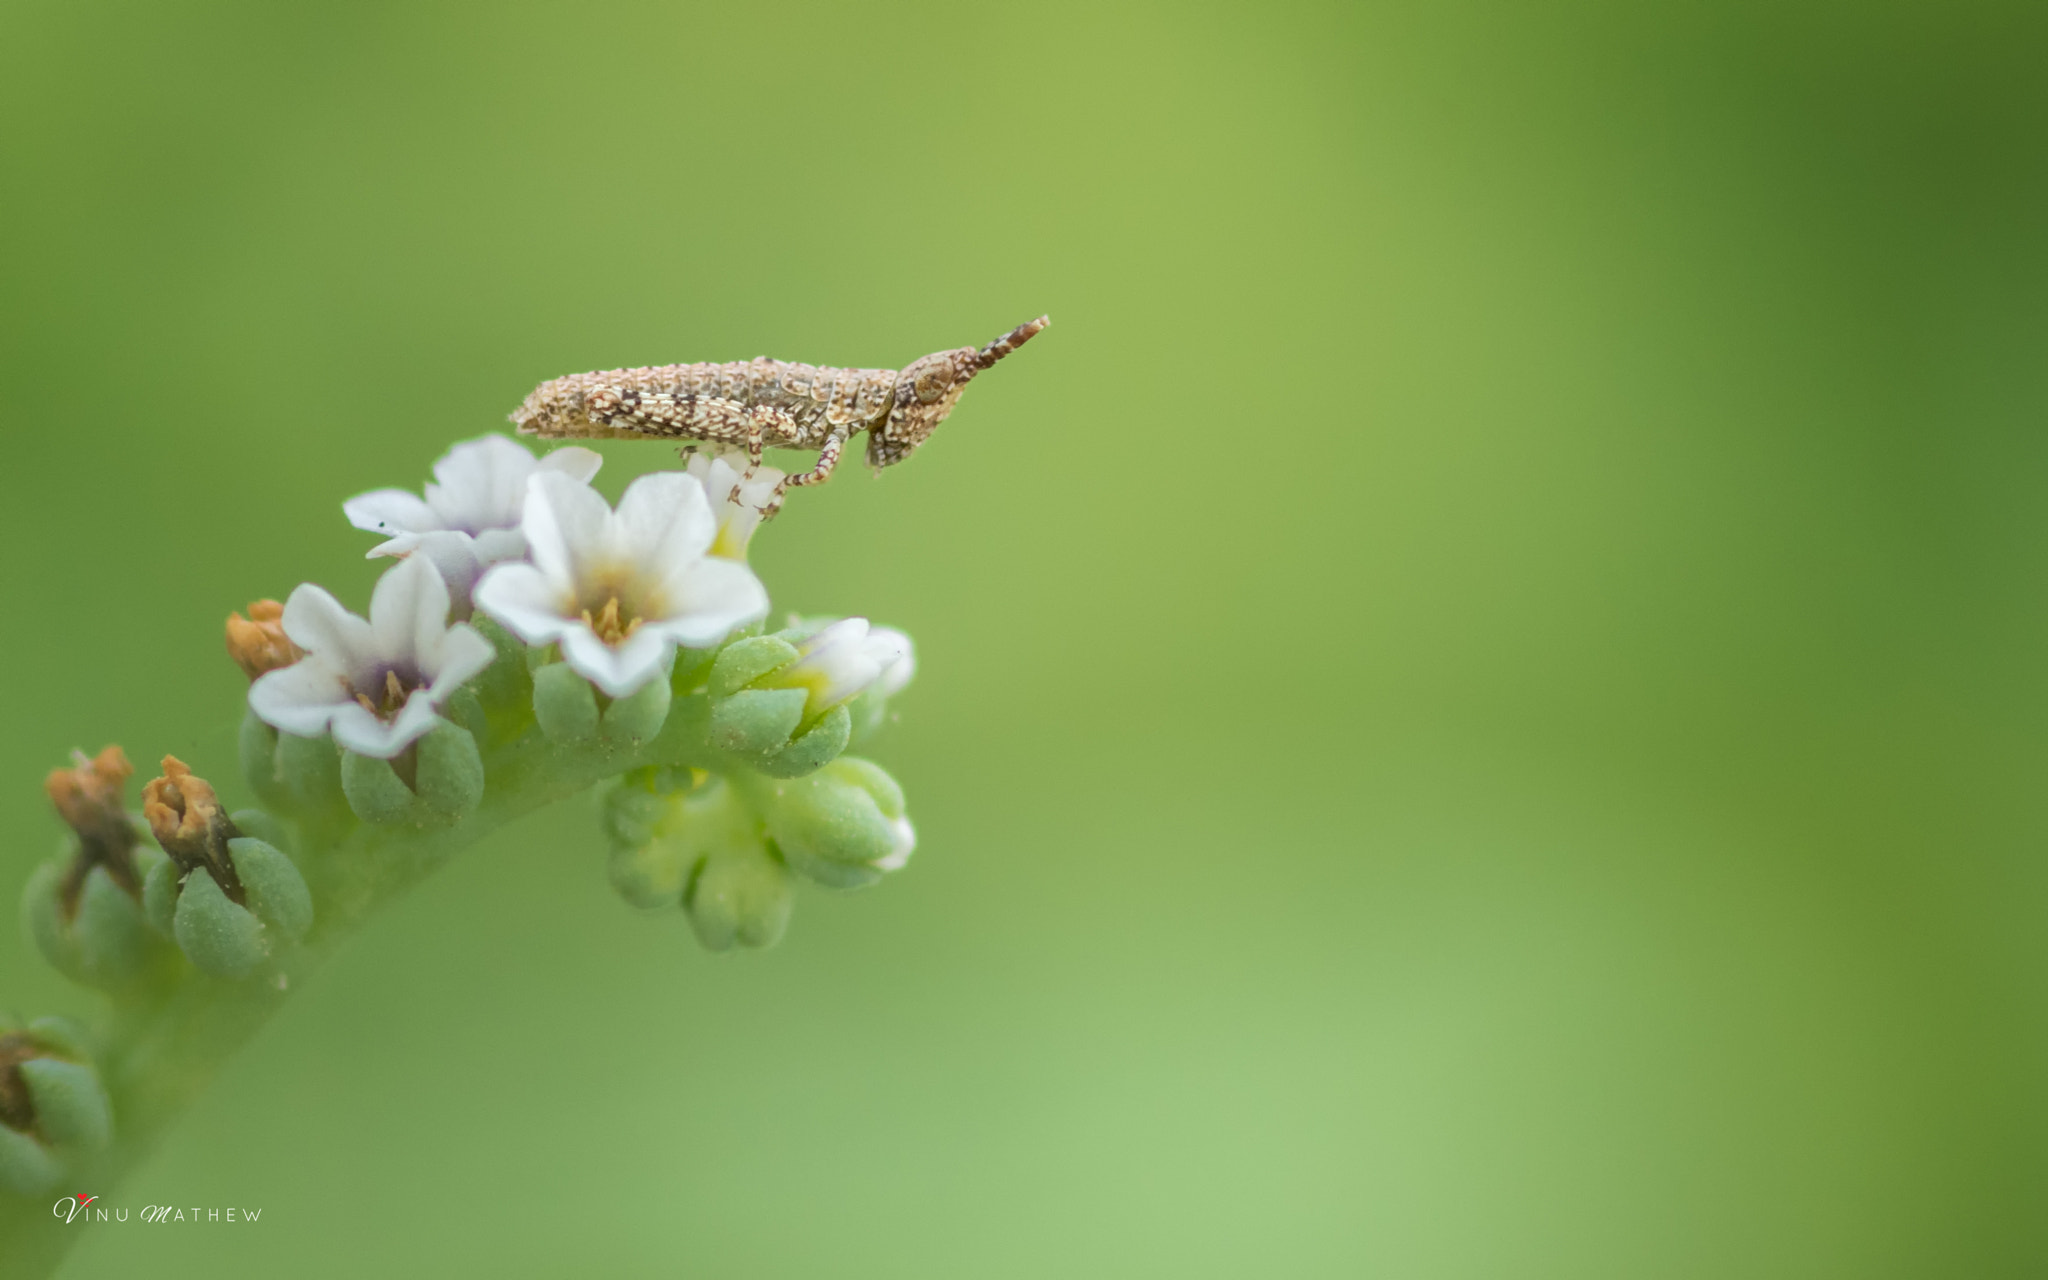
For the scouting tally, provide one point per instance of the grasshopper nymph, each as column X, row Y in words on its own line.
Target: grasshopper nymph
column 758, row 403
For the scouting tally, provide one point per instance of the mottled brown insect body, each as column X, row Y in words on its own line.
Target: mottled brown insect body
column 760, row 403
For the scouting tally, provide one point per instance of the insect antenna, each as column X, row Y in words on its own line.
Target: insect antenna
column 1012, row 340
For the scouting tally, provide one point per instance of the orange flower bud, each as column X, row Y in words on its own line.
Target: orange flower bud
column 258, row 643
column 187, row 819
column 88, row 797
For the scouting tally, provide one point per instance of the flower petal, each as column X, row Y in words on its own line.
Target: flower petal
column 317, row 623
column 456, row 557
column 481, row 484
column 903, row 838
column 363, row 733
column 459, row 655
column 896, row 674
column 707, row 598
column 409, row 609
column 616, row 671
column 575, row 462
column 663, row 519
column 523, row 599
column 301, row 698
column 493, row 545
column 390, row 512
column 566, row 525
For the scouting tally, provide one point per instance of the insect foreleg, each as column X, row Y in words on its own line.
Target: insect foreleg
column 828, row 458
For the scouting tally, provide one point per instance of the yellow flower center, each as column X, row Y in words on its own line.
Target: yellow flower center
column 609, row 624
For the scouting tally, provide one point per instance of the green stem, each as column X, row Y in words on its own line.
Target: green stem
column 163, row 1048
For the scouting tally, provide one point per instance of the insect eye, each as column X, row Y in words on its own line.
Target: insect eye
column 932, row 384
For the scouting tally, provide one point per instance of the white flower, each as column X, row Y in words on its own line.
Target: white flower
column 619, row 590
column 375, row 684
column 469, row 518
column 738, row 497
column 840, row 661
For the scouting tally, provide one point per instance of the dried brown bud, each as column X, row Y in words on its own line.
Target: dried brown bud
column 258, row 643
column 88, row 797
column 187, row 819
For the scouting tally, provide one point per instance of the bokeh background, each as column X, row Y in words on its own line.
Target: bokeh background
column 1482, row 709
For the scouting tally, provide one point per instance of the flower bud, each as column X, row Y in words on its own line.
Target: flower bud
column 506, row 683
column 288, row 771
column 739, row 895
column 228, row 899
column 220, row 936
column 189, row 823
column 694, row 841
column 640, row 714
column 570, row 709
column 85, row 913
column 564, row 704
column 51, row 1105
column 662, row 824
column 436, row 781
column 843, row 826
column 765, row 708
column 258, row 643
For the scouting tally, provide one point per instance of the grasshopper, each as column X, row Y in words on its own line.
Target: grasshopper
column 757, row 403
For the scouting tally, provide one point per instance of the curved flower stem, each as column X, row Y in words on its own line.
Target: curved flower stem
column 160, row 1049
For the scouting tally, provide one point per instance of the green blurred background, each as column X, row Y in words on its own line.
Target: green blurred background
column 1482, row 698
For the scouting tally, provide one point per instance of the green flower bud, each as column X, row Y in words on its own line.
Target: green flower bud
column 843, row 826
column 160, row 897
column 276, row 892
column 640, row 714
column 309, row 770
column 630, row 813
column 71, row 1107
column 742, row 662
column 739, row 895
column 98, row 934
column 227, row 899
column 755, row 722
column 445, row 782
column 787, row 703
column 216, row 934
column 258, row 748
column 451, row 772
column 694, row 841
column 375, row 791
column 466, row 710
column 51, row 1104
column 812, row 749
column 506, row 683
column 692, row 670
column 658, row 822
column 27, row 1167
column 265, row 826
column 564, row 704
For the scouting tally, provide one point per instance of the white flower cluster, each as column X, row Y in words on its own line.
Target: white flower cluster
column 529, row 544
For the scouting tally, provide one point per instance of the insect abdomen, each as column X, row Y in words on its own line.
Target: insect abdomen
column 808, row 393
